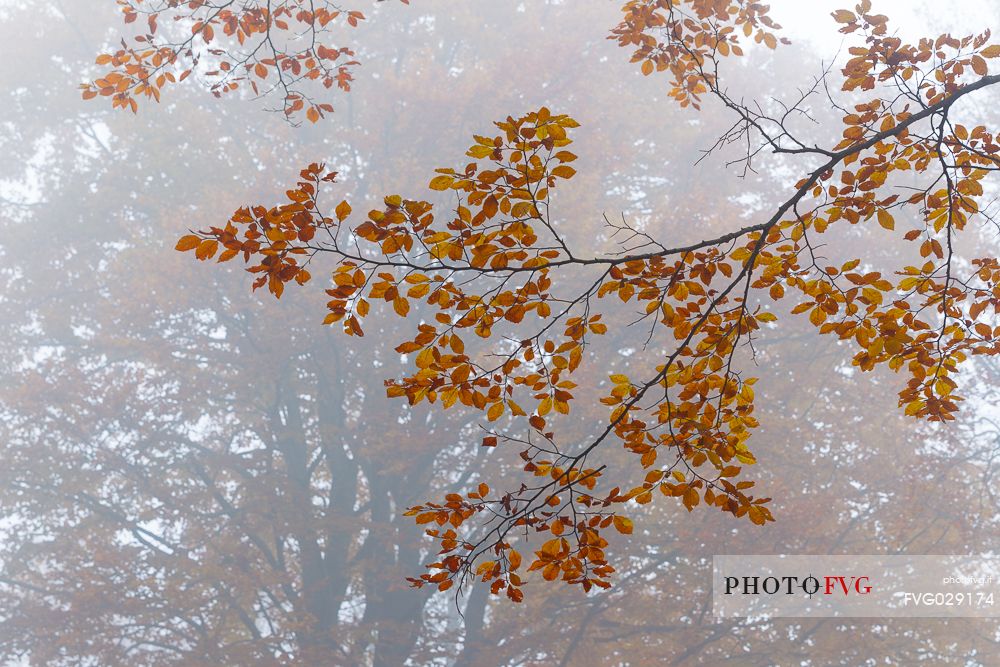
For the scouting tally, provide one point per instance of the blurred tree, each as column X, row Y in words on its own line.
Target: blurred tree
column 176, row 459
column 499, row 265
column 188, row 474
column 285, row 48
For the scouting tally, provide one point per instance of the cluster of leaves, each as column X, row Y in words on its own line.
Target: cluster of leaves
column 499, row 267
column 917, row 321
column 501, row 233
column 680, row 36
column 268, row 47
column 929, row 319
column 274, row 236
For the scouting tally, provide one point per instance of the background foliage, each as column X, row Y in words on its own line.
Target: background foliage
column 195, row 475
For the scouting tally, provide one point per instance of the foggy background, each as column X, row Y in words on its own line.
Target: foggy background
column 193, row 474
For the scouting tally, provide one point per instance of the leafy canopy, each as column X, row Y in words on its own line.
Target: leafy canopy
column 495, row 266
column 280, row 47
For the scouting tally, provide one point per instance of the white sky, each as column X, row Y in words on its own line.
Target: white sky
column 810, row 19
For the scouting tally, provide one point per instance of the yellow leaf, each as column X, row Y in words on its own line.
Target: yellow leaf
column 523, row 209
column 885, row 219
column 872, row 295
column 343, row 210
column 418, row 291
column 564, row 171
column 479, row 151
column 441, row 182
column 545, row 406
column 425, row 358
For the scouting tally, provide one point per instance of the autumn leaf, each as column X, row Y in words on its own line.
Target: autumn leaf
column 495, row 264
column 342, row 211
column 188, row 242
column 885, row 219
column 441, row 182
column 623, row 525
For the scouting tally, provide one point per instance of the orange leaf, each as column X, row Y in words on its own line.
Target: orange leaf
column 188, row 242
column 343, row 210
column 623, row 525
column 206, row 249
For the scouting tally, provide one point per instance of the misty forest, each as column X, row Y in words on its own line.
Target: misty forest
column 460, row 334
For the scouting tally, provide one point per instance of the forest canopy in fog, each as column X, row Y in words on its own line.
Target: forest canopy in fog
column 508, row 317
